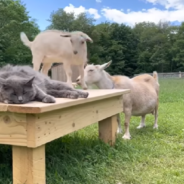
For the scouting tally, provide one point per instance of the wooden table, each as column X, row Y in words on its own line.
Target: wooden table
column 29, row 127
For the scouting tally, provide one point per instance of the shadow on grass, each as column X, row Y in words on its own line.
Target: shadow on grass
column 5, row 164
column 74, row 159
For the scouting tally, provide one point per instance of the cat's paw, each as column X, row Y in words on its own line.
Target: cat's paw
column 49, row 99
column 72, row 95
column 84, row 95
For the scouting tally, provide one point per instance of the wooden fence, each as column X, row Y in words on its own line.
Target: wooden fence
column 58, row 73
column 168, row 75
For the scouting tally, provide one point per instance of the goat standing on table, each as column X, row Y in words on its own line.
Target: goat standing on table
column 54, row 46
column 142, row 99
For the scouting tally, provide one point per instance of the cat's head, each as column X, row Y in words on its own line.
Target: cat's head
column 15, row 90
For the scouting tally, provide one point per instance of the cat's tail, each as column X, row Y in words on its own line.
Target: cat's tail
column 25, row 40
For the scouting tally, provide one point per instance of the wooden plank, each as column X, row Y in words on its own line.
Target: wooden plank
column 31, row 130
column 39, row 107
column 29, row 165
column 108, row 129
column 55, row 124
column 13, row 129
column 58, row 73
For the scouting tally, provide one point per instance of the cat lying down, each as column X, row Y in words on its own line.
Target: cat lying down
column 21, row 84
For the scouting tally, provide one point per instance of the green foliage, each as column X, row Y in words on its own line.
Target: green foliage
column 13, row 20
column 150, row 157
column 143, row 48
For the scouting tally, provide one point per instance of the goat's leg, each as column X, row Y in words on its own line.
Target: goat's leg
column 45, row 68
column 142, row 123
column 81, row 71
column 68, row 72
column 119, row 130
column 156, row 117
column 37, row 60
column 127, row 122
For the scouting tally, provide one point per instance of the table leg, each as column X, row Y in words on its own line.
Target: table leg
column 108, row 129
column 29, row 165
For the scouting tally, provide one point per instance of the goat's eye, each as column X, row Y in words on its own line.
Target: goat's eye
column 82, row 42
column 90, row 70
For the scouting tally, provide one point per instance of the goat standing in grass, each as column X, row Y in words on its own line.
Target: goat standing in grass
column 54, row 46
column 142, row 99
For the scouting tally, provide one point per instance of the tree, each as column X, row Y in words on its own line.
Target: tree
column 62, row 20
column 155, row 46
column 178, row 48
column 13, row 20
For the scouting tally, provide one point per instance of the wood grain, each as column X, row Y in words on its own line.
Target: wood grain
column 39, row 107
column 13, row 128
column 55, row 124
column 108, row 129
column 29, row 165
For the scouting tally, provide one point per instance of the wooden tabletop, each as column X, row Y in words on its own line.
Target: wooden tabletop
column 39, row 107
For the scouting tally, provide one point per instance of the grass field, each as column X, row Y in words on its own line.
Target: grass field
column 150, row 157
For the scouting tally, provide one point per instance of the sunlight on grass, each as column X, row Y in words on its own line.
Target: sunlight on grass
column 150, row 157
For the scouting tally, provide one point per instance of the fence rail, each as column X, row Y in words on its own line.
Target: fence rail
column 58, row 73
column 168, row 75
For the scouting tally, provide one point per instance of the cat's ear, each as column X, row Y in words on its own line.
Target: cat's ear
column 4, row 84
column 2, row 81
column 6, row 87
column 29, row 82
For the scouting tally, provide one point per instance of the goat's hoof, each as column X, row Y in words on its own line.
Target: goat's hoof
column 126, row 137
column 155, row 127
column 119, row 131
column 141, row 126
column 74, row 85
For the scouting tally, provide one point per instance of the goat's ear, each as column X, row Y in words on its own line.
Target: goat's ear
column 78, row 78
column 105, row 65
column 85, row 65
column 87, row 38
column 66, row 35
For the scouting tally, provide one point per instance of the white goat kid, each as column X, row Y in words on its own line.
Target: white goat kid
column 142, row 99
column 54, row 46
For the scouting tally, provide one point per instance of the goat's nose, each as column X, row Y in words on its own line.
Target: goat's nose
column 75, row 52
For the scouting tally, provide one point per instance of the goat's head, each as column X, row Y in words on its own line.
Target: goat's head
column 77, row 40
column 93, row 73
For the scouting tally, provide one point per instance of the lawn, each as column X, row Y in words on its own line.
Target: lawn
column 150, row 157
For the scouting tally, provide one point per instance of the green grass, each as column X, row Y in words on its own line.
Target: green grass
column 150, row 157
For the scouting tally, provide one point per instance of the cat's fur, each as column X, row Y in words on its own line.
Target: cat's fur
column 22, row 84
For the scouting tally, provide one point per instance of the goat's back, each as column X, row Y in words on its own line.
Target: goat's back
column 51, row 43
column 144, row 93
column 148, row 81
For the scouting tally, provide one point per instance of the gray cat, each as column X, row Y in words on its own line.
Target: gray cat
column 21, row 84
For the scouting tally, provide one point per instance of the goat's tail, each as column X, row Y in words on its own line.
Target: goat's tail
column 155, row 76
column 25, row 40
